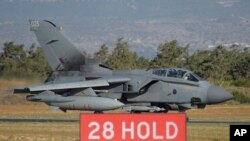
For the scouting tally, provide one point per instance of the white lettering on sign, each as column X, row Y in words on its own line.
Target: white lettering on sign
column 92, row 135
column 107, row 133
column 168, row 126
column 129, row 130
column 108, row 130
column 155, row 136
column 143, row 130
column 127, row 127
column 140, row 126
column 239, row 132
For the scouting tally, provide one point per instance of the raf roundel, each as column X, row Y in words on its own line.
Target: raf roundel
column 174, row 91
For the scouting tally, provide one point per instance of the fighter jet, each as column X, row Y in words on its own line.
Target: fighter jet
column 78, row 83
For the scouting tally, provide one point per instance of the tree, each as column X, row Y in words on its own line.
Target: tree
column 15, row 62
column 102, row 55
column 239, row 67
column 121, row 57
column 142, row 63
column 170, row 54
column 37, row 63
column 12, row 58
column 221, row 64
column 201, row 63
column 13, row 51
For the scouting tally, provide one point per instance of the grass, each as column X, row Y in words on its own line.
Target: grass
column 4, row 83
column 34, row 111
column 243, row 90
column 221, row 112
column 208, row 132
column 39, row 132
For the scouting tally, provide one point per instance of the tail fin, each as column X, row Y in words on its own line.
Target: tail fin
column 60, row 53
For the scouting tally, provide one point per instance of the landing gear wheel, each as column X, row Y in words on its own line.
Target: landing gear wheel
column 165, row 111
column 135, row 112
column 167, row 108
column 98, row 112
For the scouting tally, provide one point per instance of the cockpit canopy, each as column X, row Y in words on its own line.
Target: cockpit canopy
column 177, row 73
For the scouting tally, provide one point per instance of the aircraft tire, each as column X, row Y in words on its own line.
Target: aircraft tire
column 98, row 112
column 135, row 112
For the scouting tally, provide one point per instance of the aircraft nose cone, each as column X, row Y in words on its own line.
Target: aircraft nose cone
column 217, row 95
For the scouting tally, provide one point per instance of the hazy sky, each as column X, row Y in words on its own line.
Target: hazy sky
column 144, row 23
column 78, row 10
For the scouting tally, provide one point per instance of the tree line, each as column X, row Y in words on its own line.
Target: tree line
column 220, row 64
column 18, row 63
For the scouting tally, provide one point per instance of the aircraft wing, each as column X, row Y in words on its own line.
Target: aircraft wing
column 71, row 85
column 62, row 86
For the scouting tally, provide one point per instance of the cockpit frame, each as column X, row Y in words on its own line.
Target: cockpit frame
column 177, row 73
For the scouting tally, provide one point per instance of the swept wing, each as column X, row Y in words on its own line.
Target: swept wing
column 70, row 85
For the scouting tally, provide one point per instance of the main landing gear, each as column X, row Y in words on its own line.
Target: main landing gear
column 98, row 112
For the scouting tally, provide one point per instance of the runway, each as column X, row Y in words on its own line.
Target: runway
column 191, row 121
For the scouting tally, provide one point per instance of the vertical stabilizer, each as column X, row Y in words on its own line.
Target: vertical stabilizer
column 60, row 53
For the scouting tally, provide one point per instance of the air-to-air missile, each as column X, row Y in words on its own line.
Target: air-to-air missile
column 135, row 109
column 90, row 103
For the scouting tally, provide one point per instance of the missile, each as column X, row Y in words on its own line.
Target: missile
column 90, row 103
column 142, row 108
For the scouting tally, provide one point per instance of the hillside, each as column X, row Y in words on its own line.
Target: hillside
column 144, row 23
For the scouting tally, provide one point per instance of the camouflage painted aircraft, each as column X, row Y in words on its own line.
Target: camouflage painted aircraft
column 78, row 83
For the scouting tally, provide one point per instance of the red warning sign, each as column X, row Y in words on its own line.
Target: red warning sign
column 133, row 127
